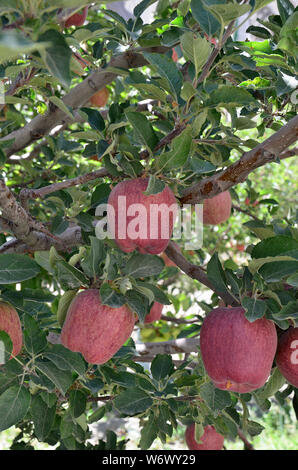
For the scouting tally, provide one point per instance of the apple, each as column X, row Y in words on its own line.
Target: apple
column 154, row 314
column 10, row 323
column 138, row 221
column 217, row 209
column 99, row 99
column 174, row 55
column 287, row 355
column 237, row 354
column 78, row 19
column 95, row 330
column 210, row 440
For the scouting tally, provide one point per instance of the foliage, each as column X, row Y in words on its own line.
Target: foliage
column 205, row 110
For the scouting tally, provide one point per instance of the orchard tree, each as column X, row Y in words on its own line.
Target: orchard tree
column 175, row 112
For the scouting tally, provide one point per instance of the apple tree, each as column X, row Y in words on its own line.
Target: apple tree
column 91, row 326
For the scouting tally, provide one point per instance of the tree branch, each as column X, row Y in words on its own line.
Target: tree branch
column 266, row 152
column 80, row 95
column 195, row 272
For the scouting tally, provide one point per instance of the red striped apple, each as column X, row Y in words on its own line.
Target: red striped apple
column 78, row 19
column 237, row 354
column 287, row 355
column 154, row 314
column 217, row 209
column 210, row 440
column 100, row 98
column 96, row 330
column 138, row 221
column 10, row 323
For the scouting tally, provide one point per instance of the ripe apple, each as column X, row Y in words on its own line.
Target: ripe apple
column 237, row 354
column 140, row 221
column 96, row 330
column 217, row 209
column 78, row 19
column 99, row 99
column 287, row 355
column 210, row 440
column 174, row 55
column 154, row 314
column 10, row 323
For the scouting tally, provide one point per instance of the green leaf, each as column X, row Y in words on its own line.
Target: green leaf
column 159, row 295
column 17, row 268
column 65, row 359
column 43, row 417
column 229, row 11
column 148, row 433
column 254, row 308
column 168, row 70
column 6, row 347
column 13, row 44
column 155, row 186
column 110, row 296
column 161, row 366
column 285, row 8
column 204, row 17
column 276, row 271
column 57, row 56
column 69, row 276
column 35, row 339
column 138, row 303
column 77, row 402
column 216, row 273
column 273, row 385
column 14, row 404
column 201, row 166
column 95, row 119
column 61, row 378
column 216, row 399
column 179, row 153
column 64, row 304
column 133, row 401
column 140, row 265
column 274, row 246
column 227, row 96
column 142, row 128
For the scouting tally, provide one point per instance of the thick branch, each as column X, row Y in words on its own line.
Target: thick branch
column 80, row 95
column 195, row 272
column 266, row 152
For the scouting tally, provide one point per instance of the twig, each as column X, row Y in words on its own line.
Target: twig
column 268, row 151
column 247, row 444
column 195, row 272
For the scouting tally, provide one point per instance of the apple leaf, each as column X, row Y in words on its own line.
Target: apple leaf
column 17, row 268
column 255, row 308
column 14, row 404
column 140, row 265
column 133, row 401
column 161, row 366
column 43, row 417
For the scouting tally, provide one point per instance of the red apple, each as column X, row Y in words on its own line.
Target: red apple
column 96, row 330
column 139, row 221
column 174, row 55
column 217, row 209
column 10, row 323
column 287, row 355
column 237, row 354
column 78, row 19
column 154, row 314
column 210, row 440
column 99, row 99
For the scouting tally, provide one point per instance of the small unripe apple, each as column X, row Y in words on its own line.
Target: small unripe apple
column 139, row 221
column 154, row 314
column 95, row 330
column 100, row 98
column 287, row 355
column 217, row 209
column 78, row 19
column 210, row 440
column 237, row 354
column 10, row 323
